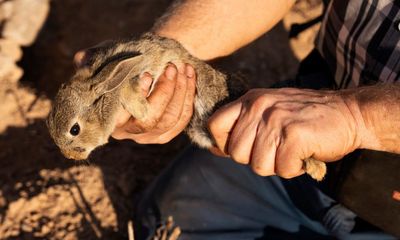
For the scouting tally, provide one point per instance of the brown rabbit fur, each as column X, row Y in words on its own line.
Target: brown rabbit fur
column 84, row 111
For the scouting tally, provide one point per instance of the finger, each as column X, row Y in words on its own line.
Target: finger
column 264, row 150
column 145, row 82
column 289, row 154
column 221, row 123
column 242, row 136
column 186, row 113
column 160, row 97
column 158, row 101
column 217, row 152
column 184, row 119
column 174, row 110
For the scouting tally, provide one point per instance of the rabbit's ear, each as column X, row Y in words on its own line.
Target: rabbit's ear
column 125, row 69
column 84, row 58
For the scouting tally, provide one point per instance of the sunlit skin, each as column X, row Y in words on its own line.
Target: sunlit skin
column 275, row 130
column 171, row 105
column 272, row 130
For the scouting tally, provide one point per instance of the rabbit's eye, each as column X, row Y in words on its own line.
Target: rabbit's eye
column 75, row 129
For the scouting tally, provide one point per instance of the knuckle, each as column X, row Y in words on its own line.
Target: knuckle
column 277, row 111
column 237, row 155
column 274, row 114
column 250, row 96
column 292, row 131
column 260, row 170
column 256, row 103
column 286, row 173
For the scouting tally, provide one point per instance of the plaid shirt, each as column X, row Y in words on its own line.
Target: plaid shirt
column 360, row 40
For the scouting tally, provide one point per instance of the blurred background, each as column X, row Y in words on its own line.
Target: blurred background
column 42, row 194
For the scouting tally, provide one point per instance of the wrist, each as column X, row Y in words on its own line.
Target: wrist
column 364, row 134
column 183, row 39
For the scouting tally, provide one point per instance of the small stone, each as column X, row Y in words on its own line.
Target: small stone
column 70, row 227
column 27, row 18
column 26, row 227
column 45, row 230
column 23, row 194
column 18, row 185
column 50, row 225
column 10, row 49
column 9, row 70
column 35, row 216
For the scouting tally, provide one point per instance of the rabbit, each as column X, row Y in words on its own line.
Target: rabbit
column 84, row 111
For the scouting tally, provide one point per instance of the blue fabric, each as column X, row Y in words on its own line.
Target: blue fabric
column 211, row 197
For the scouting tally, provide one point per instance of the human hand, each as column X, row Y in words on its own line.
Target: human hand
column 170, row 107
column 274, row 130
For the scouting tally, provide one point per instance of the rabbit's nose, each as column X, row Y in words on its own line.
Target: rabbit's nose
column 79, row 149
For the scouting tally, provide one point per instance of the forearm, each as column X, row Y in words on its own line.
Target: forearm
column 214, row 28
column 377, row 113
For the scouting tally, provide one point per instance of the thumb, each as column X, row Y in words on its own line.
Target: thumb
column 145, row 82
column 221, row 123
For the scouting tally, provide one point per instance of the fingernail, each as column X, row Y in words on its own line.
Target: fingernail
column 170, row 72
column 189, row 71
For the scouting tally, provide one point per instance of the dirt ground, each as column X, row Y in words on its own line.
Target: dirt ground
column 45, row 196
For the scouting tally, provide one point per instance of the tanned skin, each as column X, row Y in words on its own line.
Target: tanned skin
column 273, row 130
column 202, row 27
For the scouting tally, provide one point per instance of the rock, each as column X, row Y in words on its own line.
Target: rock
column 26, row 20
column 9, row 71
column 10, row 49
column 45, row 230
column 26, row 227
